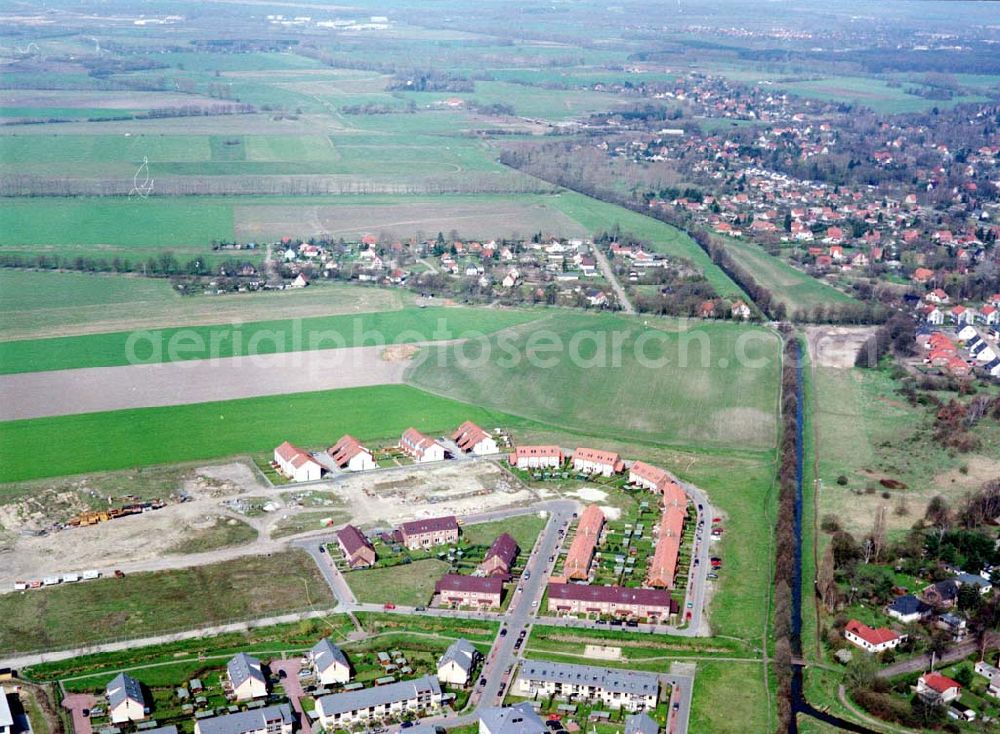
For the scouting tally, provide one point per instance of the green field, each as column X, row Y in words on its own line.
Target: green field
column 797, row 290
column 32, row 292
column 136, row 224
column 406, row 585
column 260, row 337
column 150, row 436
column 48, row 304
column 144, row 604
column 873, row 93
column 713, row 386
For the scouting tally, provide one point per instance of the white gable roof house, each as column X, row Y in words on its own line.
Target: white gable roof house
column 125, row 699
column 329, row 663
column 455, row 666
column 246, row 678
column 520, row 718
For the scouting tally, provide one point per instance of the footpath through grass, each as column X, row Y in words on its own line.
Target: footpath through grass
column 201, row 431
column 256, row 338
column 144, row 604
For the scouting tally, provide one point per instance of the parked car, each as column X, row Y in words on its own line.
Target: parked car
column 389, row 605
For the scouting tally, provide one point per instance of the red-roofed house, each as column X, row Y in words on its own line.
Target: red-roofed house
column 869, row 639
column 938, row 688
column 962, row 315
column 349, row 454
column 595, row 461
column 474, row 440
column 297, row 464
column 456, row 590
column 537, row 457
column 429, row 532
column 663, row 567
column 355, row 547
column 937, row 295
column 989, row 315
column 500, row 557
column 422, row 448
column 647, row 476
column 581, row 550
column 922, row 275
column 612, row 600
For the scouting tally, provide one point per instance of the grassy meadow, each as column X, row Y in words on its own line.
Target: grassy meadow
column 144, row 604
column 711, row 386
column 867, row 432
column 151, row 436
column 797, row 290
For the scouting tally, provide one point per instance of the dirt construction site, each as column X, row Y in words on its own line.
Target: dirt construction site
column 208, row 501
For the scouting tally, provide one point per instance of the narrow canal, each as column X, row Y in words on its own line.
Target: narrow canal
column 799, row 703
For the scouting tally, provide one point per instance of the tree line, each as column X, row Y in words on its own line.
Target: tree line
column 786, row 640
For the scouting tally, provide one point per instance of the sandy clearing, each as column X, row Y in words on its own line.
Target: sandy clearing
column 93, row 389
column 379, row 499
column 836, row 346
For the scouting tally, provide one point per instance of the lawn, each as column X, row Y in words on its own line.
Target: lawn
column 797, row 290
column 167, row 435
column 713, row 386
column 255, row 338
column 409, row 585
column 731, row 697
column 144, row 604
column 524, row 529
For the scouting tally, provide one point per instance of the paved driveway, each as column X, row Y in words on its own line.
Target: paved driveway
column 76, row 703
column 293, row 687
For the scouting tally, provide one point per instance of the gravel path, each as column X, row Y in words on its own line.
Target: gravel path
column 92, row 389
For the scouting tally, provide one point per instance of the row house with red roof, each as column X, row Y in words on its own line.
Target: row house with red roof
column 457, row 590
column 421, row 448
column 297, row 464
column 348, row 454
column 596, row 461
column 472, row 439
column 429, row 532
column 537, row 457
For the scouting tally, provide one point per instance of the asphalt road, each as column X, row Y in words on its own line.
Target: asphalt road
column 923, row 662
column 609, row 273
